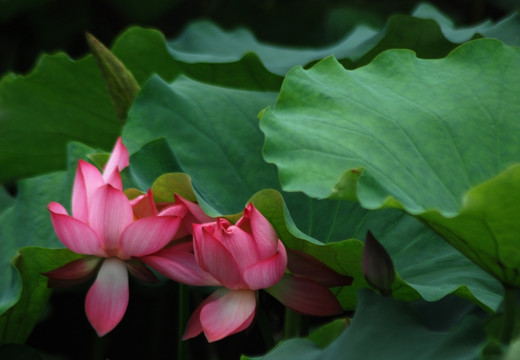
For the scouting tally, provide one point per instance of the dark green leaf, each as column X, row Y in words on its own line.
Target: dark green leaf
column 384, row 328
column 17, row 323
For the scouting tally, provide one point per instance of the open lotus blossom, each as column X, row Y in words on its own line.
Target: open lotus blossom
column 103, row 226
column 247, row 257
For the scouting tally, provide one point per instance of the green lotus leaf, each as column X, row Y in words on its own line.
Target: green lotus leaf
column 397, row 331
column 418, row 135
column 505, row 30
column 17, row 323
column 213, row 133
column 59, row 101
column 146, row 52
column 427, row 31
column 205, row 42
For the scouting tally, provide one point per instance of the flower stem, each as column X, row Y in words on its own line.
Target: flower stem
column 293, row 324
column 265, row 329
column 509, row 315
column 183, row 320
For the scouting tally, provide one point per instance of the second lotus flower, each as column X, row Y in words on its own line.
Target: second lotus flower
column 244, row 258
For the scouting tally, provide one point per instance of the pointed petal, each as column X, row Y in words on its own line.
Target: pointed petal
column 306, row 266
column 148, row 235
column 194, row 327
column 305, row 296
column 182, row 212
column 73, row 273
column 107, row 299
column 57, row 208
column 118, row 160
column 140, row 271
column 214, row 258
column 179, row 265
column 144, row 205
column 229, row 313
column 263, row 232
column 267, row 272
column 174, row 210
column 194, row 209
column 110, row 214
column 74, row 234
column 240, row 244
column 87, row 180
column 114, row 179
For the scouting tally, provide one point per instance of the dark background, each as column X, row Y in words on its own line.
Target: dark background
column 30, row 27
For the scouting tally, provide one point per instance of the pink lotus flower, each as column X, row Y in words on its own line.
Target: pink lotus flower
column 244, row 258
column 103, row 226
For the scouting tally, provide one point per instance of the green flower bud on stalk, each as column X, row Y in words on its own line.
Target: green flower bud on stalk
column 121, row 84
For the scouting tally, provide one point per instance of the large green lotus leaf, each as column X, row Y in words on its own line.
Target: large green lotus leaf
column 59, row 101
column 418, row 134
column 6, row 200
column 148, row 163
column 205, row 42
column 146, row 52
column 213, row 133
column 487, row 228
column 17, row 323
column 385, row 328
column 506, row 30
column 427, row 31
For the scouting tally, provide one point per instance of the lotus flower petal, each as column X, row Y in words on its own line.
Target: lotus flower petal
column 88, row 179
column 240, row 244
column 148, row 235
column 263, row 232
column 119, row 159
column 304, row 265
column 107, row 298
column 194, row 327
column 305, row 296
column 73, row 233
column 229, row 313
column 73, row 273
column 114, row 179
column 110, row 214
column 144, row 205
column 267, row 272
column 140, row 271
column 214, row 258
column 179, row 265
column 194, row 209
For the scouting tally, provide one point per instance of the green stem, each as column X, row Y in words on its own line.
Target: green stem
column 183, row 320
column 509, row 315
column 265, row 329
column 100, row 347
column 293, row 324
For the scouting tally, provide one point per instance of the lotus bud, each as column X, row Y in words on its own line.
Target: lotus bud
column 377, row 266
